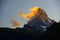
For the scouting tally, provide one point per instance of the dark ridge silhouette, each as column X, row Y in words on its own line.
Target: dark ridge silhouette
column 52, row 33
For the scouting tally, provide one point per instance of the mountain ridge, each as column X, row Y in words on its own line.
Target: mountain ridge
column 52, row 33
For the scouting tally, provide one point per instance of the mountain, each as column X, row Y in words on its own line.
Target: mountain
column 37, row 19
column 39, row 27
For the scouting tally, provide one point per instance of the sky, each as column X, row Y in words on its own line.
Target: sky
column 9, row 8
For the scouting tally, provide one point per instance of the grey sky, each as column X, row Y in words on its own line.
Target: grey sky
column 10, row 8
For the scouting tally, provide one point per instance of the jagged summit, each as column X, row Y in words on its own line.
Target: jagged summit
column 38, row 19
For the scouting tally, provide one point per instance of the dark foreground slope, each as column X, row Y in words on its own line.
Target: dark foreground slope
column 18, row 34
column 52, row 33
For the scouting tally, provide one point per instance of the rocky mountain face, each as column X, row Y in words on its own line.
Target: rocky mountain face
column 39, row 25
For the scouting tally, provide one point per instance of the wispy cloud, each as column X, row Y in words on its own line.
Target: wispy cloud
column 14, row 22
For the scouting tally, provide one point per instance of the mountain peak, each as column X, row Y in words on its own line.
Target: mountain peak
column 39, row 21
